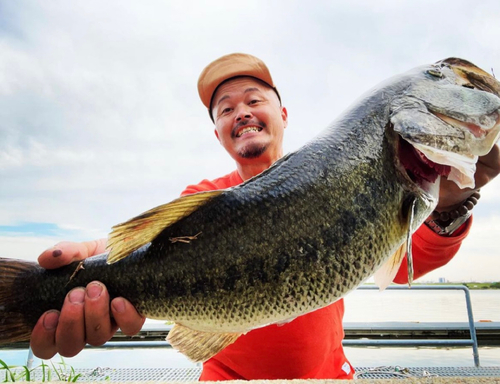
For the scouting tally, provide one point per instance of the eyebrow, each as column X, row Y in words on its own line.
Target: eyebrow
column 252, row 89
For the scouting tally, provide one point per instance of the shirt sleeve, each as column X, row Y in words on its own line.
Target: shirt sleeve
column 431, row 251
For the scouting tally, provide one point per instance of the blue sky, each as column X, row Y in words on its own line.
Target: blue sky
column 100, row 117
column 34, row 229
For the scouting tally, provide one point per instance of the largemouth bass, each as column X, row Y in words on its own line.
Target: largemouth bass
column 295, row 238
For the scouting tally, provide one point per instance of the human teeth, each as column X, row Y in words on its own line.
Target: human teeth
column 248, row 129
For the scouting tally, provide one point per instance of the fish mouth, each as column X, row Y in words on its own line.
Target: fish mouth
column 475, row 130
column 421, row 170
column 454, row 155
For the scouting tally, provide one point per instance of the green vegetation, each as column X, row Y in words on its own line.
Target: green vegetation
column 470, row 285
column 483, row 285
column 62, row 372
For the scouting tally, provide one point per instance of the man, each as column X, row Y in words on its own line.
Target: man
column 249, row 119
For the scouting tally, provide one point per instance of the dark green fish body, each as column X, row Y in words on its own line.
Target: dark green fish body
column 293, row 239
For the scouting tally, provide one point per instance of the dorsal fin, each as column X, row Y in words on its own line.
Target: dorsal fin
column 197, row 345
column 133, row 234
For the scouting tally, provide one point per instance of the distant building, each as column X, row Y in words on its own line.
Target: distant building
column 442, row 280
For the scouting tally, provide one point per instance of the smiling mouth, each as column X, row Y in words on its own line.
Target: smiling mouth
column 248, row 130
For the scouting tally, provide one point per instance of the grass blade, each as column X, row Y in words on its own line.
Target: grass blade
column 8, row 372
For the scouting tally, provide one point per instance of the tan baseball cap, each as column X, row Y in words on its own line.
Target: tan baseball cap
column 228, row 67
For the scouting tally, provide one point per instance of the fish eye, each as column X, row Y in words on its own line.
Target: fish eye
column 435, row 72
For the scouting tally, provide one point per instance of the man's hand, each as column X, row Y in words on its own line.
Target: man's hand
column 86, row 315
column 487, row 168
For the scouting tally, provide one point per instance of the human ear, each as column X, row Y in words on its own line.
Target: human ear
column 284, row 116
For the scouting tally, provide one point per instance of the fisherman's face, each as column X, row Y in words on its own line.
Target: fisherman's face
column 249, row 120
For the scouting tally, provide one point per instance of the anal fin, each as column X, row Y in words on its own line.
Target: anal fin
column 199, row 346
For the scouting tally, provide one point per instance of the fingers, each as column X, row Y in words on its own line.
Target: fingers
column 126, row 316
column 85, row 315
column 63, row 332
column 450, row 195
column 70, row 332
column 488, row 167
column 66, row 252
column 84, row 318
column 99, row 327
column 492, row 158
column 43, row 337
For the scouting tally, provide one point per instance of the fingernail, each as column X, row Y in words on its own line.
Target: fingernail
column 76, row 295
column 118, row 305
column 94, row 290
column 50, row 320
column 57, row 253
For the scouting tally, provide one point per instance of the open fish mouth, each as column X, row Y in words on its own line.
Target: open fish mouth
column 420, row 169
column 455, row 156
column 447, row 120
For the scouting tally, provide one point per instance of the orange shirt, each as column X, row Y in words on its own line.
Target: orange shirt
column 309, row 347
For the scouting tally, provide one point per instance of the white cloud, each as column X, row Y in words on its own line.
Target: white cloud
column 100, row 118
column 26, row 248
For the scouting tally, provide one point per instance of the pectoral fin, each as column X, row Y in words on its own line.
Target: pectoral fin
column 133, row 234
column 386, row 273
column 199, row 346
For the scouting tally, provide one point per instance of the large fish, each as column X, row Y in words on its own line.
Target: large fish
column 298, row 236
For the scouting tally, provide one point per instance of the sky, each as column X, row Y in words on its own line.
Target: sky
column 100, row 118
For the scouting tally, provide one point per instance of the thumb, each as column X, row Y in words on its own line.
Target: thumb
column 66, row 252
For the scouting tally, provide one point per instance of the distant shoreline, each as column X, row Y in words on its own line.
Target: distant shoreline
column 472, row 285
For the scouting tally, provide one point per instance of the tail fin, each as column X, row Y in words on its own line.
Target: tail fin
column 14, row 324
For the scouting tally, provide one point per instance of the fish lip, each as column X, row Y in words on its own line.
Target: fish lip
column 488, row 134
column 237, row 130
column 477, row 131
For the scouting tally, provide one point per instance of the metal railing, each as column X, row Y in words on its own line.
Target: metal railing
column 472, row 341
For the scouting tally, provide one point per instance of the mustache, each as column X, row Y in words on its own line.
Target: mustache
column 243, row 123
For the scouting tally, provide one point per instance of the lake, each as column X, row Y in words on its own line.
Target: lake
column 421, row 306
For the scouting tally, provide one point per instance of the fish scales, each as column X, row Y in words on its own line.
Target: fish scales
column 282, row 239
column 289, row 241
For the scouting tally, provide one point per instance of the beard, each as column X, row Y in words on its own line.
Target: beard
column 252, row 151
